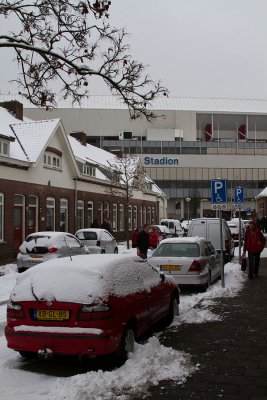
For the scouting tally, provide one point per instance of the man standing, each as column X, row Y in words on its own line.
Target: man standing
column 142, row 242
column 254, row 243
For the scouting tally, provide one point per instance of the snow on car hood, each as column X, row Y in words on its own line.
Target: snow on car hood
column 84, row 279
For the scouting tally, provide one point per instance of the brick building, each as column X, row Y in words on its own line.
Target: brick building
column 52, row 181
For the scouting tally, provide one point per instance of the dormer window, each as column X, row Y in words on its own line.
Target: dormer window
column 52, row 160
column 88, row 170
column 4, row 148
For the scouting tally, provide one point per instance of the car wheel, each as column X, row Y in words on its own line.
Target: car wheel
column 102, row 251
column 174, row 309
column 126, row 345
column 207, row 284
column 116, row 250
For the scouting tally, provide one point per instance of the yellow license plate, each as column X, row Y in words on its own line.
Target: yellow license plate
column 36, row 256
column 171, row 267
column 52, row 315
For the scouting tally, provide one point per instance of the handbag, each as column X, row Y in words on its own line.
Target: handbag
column 243, row 264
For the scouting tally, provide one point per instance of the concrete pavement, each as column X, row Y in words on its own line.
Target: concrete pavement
column 232, row 353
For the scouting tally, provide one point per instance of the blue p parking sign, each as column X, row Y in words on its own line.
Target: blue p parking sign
column 219, row 193
column 239, row 195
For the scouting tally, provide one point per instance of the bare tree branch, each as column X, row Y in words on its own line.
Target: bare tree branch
column 69, row 42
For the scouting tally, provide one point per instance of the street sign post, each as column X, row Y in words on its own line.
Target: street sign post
column 219, row 202
column 239, row 201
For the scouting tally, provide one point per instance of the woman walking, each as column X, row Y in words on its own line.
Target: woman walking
column 254, row 243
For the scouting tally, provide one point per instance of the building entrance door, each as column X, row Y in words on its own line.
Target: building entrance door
column 18, row 227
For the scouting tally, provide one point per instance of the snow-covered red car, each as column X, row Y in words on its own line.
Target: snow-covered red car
column 89, row 306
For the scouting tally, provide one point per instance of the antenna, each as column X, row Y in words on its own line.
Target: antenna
column 65, row 240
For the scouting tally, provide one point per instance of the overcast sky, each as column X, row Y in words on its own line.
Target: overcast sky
column 197, row 48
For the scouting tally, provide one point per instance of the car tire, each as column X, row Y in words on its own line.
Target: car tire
column 207, row 284
column 174, row 309
column 126, row 345
column 116, row 250
column 102, row 251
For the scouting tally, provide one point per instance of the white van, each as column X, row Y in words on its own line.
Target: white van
column 174, row 226
column 209, row 228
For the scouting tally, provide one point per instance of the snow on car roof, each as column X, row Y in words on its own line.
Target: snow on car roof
column 84, row 279
column 184, row 239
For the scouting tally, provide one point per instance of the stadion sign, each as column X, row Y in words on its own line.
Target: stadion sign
column 168, row 161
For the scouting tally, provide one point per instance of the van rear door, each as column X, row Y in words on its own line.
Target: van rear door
column 197, row 228
column 213, row 234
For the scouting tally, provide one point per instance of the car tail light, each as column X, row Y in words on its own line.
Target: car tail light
column 195, row 266
column 52, row 250
column 14, row 310
column 98, row 243
column 95, row 311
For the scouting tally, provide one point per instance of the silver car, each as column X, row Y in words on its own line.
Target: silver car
column 98, row 237
column 190, row 260
column 43, row 246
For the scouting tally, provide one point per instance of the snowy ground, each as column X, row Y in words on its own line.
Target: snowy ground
column 148, row 364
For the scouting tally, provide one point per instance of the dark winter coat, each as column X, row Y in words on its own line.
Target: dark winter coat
column 142, row 242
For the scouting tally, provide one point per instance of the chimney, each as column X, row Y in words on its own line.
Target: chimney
column 14, row 107
column 80, row 136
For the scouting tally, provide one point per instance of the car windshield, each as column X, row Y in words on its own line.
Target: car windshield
column 177, row 250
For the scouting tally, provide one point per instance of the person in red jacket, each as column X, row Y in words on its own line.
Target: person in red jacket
column 254, row 243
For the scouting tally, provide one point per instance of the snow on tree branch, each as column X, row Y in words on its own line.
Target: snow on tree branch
column 65, row 44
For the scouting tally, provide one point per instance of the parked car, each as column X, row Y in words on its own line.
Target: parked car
column 174, row 226
column 98, row 237
column 165, row 232
column 185, row 224
column 82, row 308
column 191, row 261
column 209, row 228
column 234, row 228
column 43, row 246
column 154, row 232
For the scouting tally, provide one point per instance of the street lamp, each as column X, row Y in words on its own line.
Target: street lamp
column 188, row 199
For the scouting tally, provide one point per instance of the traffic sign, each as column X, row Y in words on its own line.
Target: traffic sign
column 239, row 195
column 219, row 191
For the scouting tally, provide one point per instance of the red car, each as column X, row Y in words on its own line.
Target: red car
column 89, row 306
column 154, row 233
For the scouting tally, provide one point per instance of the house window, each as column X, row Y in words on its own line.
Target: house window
column 152, row 215
column 80, row 214
column 114, row 217
column 90, row 213
column 100, row 212
column 149, row 215
column 130, row 218
column 140, row 215
column 50, row 214
column 52, row 160
column 32, row 214
column 88, row 170
column 121, row 217
column 1, row 216
column 144, row 215
column 106, row 211
column 135, row 217
column 4, row 147
column 63, row 215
